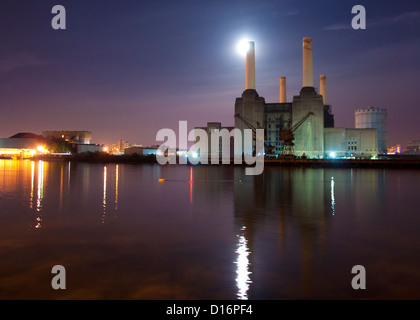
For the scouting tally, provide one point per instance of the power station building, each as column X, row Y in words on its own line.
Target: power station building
column 374, row 118
column 305, row 125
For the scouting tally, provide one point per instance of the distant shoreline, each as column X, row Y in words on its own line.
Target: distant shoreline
column 403, row 162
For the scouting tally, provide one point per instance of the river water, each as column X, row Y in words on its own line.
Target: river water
column 207, row 232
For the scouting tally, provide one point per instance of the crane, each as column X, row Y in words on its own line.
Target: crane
column 269, row 149
column 287, row 135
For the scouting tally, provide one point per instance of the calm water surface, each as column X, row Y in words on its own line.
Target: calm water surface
column 207, row 232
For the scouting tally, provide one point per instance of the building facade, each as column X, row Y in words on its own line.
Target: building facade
column 375, row 118
column 350, row 142
column 83, row 137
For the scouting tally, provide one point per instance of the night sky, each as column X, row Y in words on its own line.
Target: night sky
column 126, row 69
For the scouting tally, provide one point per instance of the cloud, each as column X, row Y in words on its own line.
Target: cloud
column 339, row 26
column 21, row 60
column 401, row 18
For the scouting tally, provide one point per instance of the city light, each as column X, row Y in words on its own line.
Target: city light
column 41, row 149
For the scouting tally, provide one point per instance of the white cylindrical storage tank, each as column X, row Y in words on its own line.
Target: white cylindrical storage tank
column 374, row 118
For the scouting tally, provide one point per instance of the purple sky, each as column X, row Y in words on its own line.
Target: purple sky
column 126, row 69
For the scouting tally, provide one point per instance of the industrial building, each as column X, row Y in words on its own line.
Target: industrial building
column 78, row 141
column 413, row 147
column 305, row 125
column 375, row 118
column 26, row 145
column 144, row 151
column 119, row 147
column 22, row 145
column 350, row 142
column 82, row 137
column 209, row 129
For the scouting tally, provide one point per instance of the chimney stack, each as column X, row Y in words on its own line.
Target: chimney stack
column 282, row 89
column 308, row 75
column 323, row 88
column 250, row 66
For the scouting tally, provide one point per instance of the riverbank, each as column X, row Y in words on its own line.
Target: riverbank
column 388, row 162
column 347, row 163
column 96, row 157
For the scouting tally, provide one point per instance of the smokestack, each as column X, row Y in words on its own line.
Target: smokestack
column 250, row 66
column 282, row 89
column 308, row 74
column 323, row 88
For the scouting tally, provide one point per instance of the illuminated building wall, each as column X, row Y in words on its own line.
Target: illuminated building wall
column 309, row 137
column 394, row 149
column 20, row 147
column 374, row 118
column 349, row 142
column 277, row 115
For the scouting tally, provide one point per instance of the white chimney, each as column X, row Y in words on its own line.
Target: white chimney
column 250, row 66
column 308, row 75
column 323, row 88
column 282, row 89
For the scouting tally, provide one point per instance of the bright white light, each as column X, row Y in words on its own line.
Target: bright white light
column 333, row 155
column 243, row 47
column 332, row 196
column 243, row 279
column 195, row 155
column 40, row 149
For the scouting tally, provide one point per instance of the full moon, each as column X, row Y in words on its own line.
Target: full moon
column 243, row 47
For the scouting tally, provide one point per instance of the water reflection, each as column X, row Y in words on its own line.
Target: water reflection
column 293, row 199
column 61, row 186
column 248, row 237
column 68, row 177
column 116, row 187
column 104, row 197
column 31, row 200
column 242, row 262
column 40, row 194
column 332, row 196
column 107, row 206
column 191, row 185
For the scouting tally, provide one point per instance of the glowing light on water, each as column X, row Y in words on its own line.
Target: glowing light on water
column 243, row 279
column 332, row 196
column 191, row 185
column 116, row 187
column 104, row 197
column 40, row 192
column 32, row 183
